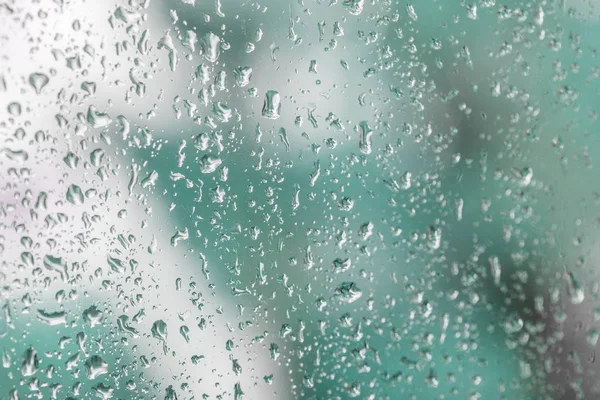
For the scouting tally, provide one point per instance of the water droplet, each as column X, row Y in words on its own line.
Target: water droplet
column 410, row 10
column 19, row 156
column 30, row 362
column 238, row 393
column 366, row 230
column 575, row 288
column 89, row 87
column 434, row 237
column 166, row 42
column 159, row 331
column 341, row 265
column 347, row 292
column 272, row 105
column 274, row 351
column 38, row 81
column 354, row 7
column 92, row 316
column 221, row 111
column 97, row 119
column 189, row 40
column 103, row 391
column 346, row 203
column 592, row 337
column 170, row 393
column 55, row 264
column 123, row 325
column 52, row 318
column 96, row 157
column 472, row 11
column 365, row 138
column 236, row 367
column 185, row 332
column 210, row 46
column 495, row 269
column 14, row 109
column 95, row 366
column 125, row 15
column 513, row 325
column 242, row 76
column 209, row 163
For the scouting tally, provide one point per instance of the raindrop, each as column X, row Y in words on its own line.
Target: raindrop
column 159, row 331
column 365, row 138
column 30, row 362
column 347, row 292
column 242, row 76
column 272, row 105
column 92, row 316
column 38, row 81
column 14, row 109
column 211, row 47
column 52, row 318
column 354, row 7
column 209, row 164
column 95, row 366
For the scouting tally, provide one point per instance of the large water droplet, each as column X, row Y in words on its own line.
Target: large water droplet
column 242, row 76
column 75, row 195
column 38, row 81
column 209, row 164
column 354, row 7
column 30, row 362
column 221, row 111
column 211, row 47
column 341, row 265
column 15, row 155
column 52, row 318
column 97, row 119
column 159, row 331
column 365, row 138
column 272, row 105
column 95, row 366
column 347, row 292
column 92, row 316
column 575, row 288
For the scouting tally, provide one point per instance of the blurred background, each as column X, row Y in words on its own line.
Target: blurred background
column 304, row 199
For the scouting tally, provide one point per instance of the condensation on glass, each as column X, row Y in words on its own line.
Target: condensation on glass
column 303, row 199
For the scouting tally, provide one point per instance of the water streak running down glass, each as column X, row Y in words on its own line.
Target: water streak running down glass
column 303, row 199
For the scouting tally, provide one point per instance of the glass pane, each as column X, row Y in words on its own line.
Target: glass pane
column 304, row 199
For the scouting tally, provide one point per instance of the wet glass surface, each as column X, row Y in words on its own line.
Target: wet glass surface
column 307, row 199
